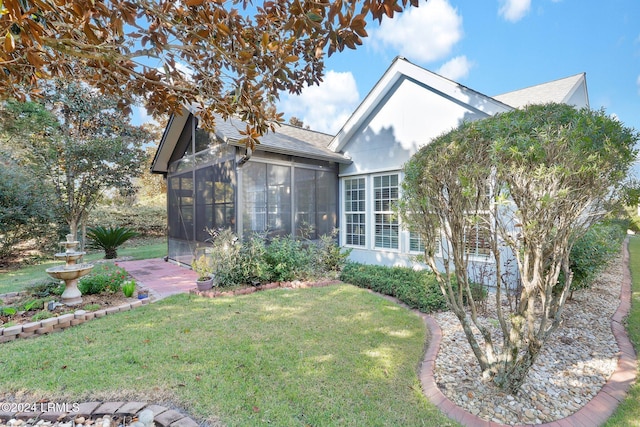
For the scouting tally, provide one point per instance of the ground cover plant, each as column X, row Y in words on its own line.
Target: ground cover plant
column 330, row 356
column 418, row 289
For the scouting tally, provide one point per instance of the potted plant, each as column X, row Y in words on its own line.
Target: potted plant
column 202, row 265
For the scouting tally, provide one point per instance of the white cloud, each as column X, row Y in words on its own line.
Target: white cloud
column 514, row 10
column 139, row 116
column 456, row 68
column 327, row 107
column 423, row 34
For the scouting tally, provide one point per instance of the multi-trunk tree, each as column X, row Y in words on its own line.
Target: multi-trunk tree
column 530, row 182
column 219, row 56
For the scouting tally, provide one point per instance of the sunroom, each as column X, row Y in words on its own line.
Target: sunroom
column 287, row 186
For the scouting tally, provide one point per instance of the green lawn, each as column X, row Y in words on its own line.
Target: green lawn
column 628, row 413
column 17, row 280
column 332, row 356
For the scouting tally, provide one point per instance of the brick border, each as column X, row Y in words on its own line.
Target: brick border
column 61, row 322
column 594, row 413
column 163, row 416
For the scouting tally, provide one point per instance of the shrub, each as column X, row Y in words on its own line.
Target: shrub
column 329, row 258
column 251, row 267
column 592, row 252
column 149, row 221
column 418, row 289
column 103, row 278
column 109, row 239
column 287, row 259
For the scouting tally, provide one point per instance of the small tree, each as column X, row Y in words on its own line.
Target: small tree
column 531, row 182
column 80, row 143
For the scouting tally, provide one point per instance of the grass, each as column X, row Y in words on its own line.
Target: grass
column 332, row 356
column 628, row 413
column 17, row 280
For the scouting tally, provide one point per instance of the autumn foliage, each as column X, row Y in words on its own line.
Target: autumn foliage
column 229, row 57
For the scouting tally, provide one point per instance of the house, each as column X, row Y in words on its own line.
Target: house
column 298, row 178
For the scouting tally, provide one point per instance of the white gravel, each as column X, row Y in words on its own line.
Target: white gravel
column 571, row 369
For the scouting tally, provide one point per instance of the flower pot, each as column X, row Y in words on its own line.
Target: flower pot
column 204, row 285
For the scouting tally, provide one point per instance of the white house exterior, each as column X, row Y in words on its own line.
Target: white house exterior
column 406, row 109
column 356, row 173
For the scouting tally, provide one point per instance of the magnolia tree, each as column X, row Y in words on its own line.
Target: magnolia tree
column 530, row 182
column 220, row 56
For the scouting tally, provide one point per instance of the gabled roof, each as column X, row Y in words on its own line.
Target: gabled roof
column 559, row 91
column 403, row 69
column 287, row 140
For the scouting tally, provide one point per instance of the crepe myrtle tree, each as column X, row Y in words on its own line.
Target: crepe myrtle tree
column 230, row 57
column 531, row 182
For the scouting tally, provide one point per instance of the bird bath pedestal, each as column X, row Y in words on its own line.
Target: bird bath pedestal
column 70, row 272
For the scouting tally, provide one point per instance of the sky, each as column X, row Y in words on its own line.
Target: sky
column 492, row 47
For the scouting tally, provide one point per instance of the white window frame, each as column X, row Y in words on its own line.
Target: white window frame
column 375, row 213
column 363, row 213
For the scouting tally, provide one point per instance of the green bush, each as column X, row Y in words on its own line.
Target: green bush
column 148, row 221
column 109, row 239
column 254, row 262
column 593, row 251
column 416, row 288
column 103, row 278
column 287, row 259
column 329, row 258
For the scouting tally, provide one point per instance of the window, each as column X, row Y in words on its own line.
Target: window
column 385, row 195
column 477, row 238
column 354, row 208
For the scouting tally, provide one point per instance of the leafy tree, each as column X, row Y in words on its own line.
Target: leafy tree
column 24, row 209
column 228, row 57
column 533, row 181
column 87, row 147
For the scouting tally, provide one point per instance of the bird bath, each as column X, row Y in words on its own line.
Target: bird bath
column 70, row 272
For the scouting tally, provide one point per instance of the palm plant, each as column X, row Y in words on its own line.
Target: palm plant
column 109, row 238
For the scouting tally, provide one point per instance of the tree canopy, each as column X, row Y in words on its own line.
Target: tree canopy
column 219, row 56
column 529, row 182
column 78, row 143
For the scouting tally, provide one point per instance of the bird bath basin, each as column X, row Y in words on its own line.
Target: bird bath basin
column 70, row 272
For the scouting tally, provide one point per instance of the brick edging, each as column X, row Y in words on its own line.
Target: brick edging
column 162, row 416
column 61, row 322
column 593, row 413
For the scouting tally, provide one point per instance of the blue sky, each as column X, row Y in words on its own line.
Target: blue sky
column 493, row 47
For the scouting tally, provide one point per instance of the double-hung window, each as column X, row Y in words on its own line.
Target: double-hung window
column 385, row 195
column 355, row 211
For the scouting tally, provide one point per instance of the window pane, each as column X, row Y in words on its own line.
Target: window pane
column 386, row 223
column 354, row 209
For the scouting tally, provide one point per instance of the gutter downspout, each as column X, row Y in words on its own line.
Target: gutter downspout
column 246, row 157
